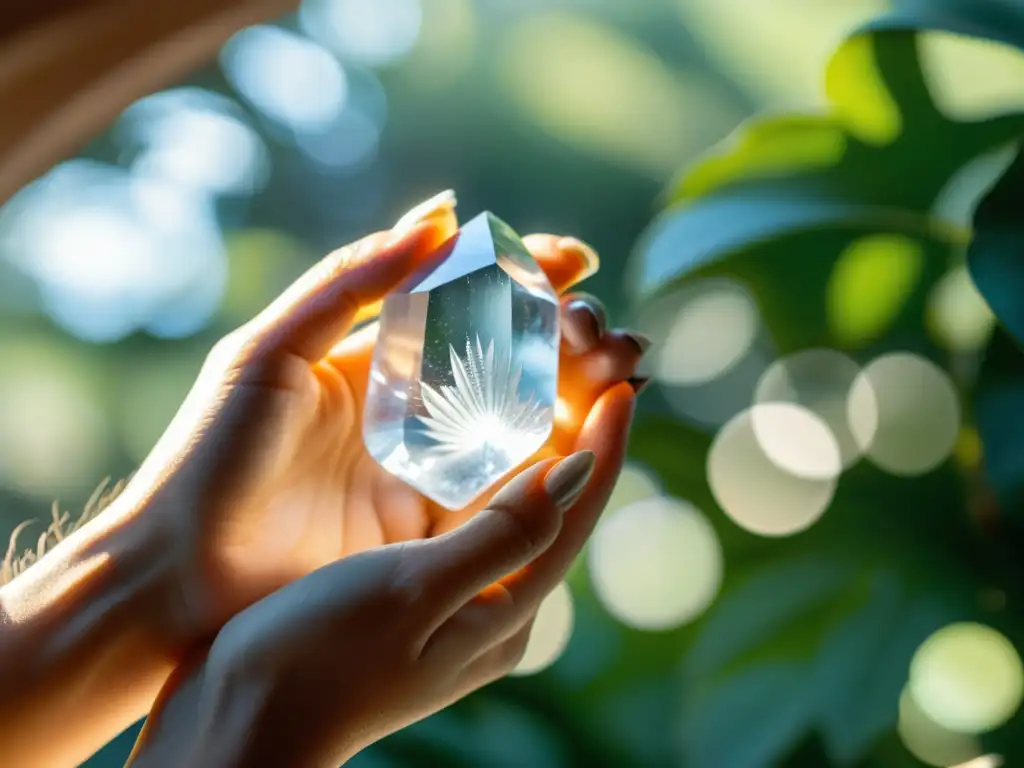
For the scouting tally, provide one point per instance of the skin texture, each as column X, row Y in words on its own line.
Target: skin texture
column 262, row 480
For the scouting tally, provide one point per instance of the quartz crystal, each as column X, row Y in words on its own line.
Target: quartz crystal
column 465, row 368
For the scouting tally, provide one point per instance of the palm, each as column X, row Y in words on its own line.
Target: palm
column 303, row 490
column 339, row 500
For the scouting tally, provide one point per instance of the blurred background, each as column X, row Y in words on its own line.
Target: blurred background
column 803, row 564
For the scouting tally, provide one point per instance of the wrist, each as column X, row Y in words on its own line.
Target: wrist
column 85, row 638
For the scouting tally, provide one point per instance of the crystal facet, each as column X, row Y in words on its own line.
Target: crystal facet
column 465, row 368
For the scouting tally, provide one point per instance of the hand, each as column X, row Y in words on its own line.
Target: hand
column 263, row 478
column 371, row 643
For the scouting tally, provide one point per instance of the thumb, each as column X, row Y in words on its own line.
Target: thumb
column 321, row 306
column 518, row 525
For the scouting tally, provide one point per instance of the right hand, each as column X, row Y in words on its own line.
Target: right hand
column 333, row 662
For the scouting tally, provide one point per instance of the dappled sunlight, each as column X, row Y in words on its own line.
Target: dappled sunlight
column 972, row 79
column 870, row 284
column 604, row 93
column 655, row 563
column 958, row 315
column 929, row 742
column 746, row 36
column 54, row 434
column 859, row 93
column 823, row 471
column 195, row 138
column 709, row 349
column 904, row 413
column 967, row 678
column 288, row 78
column 635, row 483
column 372, row 34
column 752, row 476
column 713, row 327
column 111, row 252
column 819, row 380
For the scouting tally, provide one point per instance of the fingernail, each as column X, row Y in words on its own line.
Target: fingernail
column 584, row 325
column 642, row 342
column 438, row 204
column 593, row 307
column 639, row 383
column 584, row 251
column 566, row 481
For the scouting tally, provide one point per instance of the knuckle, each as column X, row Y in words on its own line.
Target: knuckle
column 230, row 349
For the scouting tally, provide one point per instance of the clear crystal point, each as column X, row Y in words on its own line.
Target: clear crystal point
column 465, row 369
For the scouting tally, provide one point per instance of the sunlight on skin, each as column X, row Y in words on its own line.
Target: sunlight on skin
column 38, row 589
column 345, row 369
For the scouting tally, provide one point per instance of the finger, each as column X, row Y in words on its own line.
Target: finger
column 605, row 433
column 583, row 379
column 498, row 612
column 321, row 306
column 583, row 321
column 565, row 260
column 520, row 522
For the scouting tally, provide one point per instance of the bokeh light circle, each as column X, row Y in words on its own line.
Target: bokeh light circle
column 967, row 677
column 928, row 741
column 820, row 380
column 750, row 469
column 904, row 413
column 635, row 483
column 714, row 325
column 552, row 630
column 958, row 315
column 656, row 563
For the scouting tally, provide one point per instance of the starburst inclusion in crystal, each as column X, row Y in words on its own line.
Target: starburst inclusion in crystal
column 465, row 369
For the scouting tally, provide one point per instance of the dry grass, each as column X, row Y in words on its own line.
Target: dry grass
column 60, row 527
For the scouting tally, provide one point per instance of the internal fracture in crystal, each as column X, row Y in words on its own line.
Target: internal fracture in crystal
column 465, row 369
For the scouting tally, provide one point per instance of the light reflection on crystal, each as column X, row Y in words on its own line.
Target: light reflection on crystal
column 462, row 389
column 482, row 409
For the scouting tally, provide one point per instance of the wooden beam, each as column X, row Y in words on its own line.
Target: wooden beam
column 69, row 67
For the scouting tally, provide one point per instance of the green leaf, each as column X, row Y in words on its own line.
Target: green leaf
column 996, row 255
column 788, row 203
column 752, row 719
column 999, row 414
column 862, row 666
column 750, row 615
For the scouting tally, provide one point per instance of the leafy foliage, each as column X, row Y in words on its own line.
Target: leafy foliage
column 831, row 222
